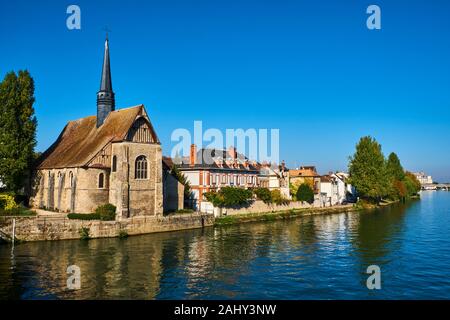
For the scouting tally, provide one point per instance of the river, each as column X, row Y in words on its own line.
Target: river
column 312, row 257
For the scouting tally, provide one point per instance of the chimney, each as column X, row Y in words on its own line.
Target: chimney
column 193, row 155
column 232, row 152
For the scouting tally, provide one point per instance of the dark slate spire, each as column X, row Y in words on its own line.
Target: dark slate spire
column 105, row 97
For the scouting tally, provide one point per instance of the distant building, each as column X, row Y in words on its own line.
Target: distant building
column 305, row 174
column 211, row 169
column 423, row 178
column 275, row 178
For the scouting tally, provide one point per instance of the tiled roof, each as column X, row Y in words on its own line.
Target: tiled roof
column 81, row 140
column 220, row 160
column 303, row 173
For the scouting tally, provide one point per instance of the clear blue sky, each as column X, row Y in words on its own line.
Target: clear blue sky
column 310, row 68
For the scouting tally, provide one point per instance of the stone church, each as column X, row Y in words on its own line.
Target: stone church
column 114, row 157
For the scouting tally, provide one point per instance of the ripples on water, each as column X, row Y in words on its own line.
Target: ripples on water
column 314, row 257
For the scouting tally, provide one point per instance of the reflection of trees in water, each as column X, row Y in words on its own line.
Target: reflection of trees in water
column 377, row 236
column 190, row 263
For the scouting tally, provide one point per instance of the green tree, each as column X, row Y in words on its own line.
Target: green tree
column 229, row 197
column 17, row 129
column 412, row 184
column 263, row 194
column 396, row 174
column 183, row 180
column 368, row 172
column 305, row 193
column 394, row 167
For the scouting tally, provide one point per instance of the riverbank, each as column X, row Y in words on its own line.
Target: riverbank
column 280, row 215
column 45, row 227
column 57, row 227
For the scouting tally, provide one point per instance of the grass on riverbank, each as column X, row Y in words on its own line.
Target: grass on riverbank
column 17, row 212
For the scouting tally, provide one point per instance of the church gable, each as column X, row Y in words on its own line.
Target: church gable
column 142, row 132
column 102, row 159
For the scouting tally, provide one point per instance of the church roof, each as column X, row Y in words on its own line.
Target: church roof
column 81, row 140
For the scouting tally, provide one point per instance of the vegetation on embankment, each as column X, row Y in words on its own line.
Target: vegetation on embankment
column 376, row 178
column 280, row 215
column 106, row 212
column 10, row 208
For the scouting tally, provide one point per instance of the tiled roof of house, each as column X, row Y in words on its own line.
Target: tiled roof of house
column 81, row 140
column 219, row 159
column 303, row 173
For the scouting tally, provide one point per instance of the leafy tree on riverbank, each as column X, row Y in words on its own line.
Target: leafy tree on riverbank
column 368, row 170
column 375, row 178
column 396, row 175
column 394, row 167
column 17, row 129
column 229, row 197
column 412, row 184
column 305, row 193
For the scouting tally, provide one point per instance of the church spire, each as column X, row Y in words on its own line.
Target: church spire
column 105, row 97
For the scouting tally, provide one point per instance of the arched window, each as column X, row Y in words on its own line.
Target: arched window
column 140, row 171
column 114, row 164
column 101, row 180
column 71, row 179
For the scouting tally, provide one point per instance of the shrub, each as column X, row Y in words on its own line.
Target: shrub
column 84, row 216
column 305, row 193
column 7, row 202
column 123, row 234
column 263, row 194
column 229, row 197
column 84, row 233
column 106, row 212
column 278, row 198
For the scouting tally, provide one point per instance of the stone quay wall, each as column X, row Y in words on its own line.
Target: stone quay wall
column 258, row 206
column 62, row 228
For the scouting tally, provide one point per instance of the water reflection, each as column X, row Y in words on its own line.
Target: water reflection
column 319, row 257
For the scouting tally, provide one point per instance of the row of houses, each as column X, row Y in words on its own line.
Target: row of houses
column 209, row 170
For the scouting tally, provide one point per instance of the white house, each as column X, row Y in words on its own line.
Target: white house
column 423, row 178
column 335, row 190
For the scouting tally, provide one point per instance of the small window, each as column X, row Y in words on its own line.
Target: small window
column 114, row 164
column 140, row 168
column 101, row 180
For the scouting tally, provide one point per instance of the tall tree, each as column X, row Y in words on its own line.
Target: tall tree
column 17, row 129
column 367, row 169
column 396, row 175
column 394, row 167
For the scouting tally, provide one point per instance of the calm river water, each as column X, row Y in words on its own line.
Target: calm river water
column 320, row 257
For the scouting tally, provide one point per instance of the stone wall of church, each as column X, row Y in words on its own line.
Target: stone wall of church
column 51, row 189
column 131, row 195
column 79, row 189
column 70, row 189
column 89, row 193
